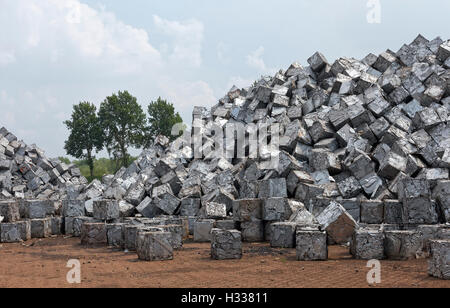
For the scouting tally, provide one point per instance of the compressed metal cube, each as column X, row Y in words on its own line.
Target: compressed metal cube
column 154, row 246
column 392, row 165
column 349, row 188
column 384, row 61
column 130, row 236
column 402, row 245
column 226, row 224
column 338, row 118
column 389, row 82
column 428, row 233
column 73, row 225
column 337, row 222
column 359, row 115
column 115, row 234
column 41, row 228
column 279, row 209
column 366, row 80
column 308, row 192
column 371, row 184
column 442, row 194
column 202, row 230
column 57, row 225
column 176, row 233
column 353, row 207
column 272, row 188
column 311, row 245
column 419, row 211
column 24, row 229
column 418, row 207
column 148, row 209
column 380, row 152
column 136, row 193
column 399, row 95
column 180, row 223
column 173, row 180
column 35, row 209
column 248, row 189
column 125, row 209
column 247, row 209
column 9, row 233
column 253, row 231
column 168, row 203
column 93, row 234
column 372, row 211
column 361, row 166
column 393, row 212
column 15, row 232
column 10, row 211
column 367, row 244
column 106, row 210
column 187, row 192
column 439, row 264
column 426, row 118
column 190, row 207
column 317, row 62
column 73, row 208
column 322, row 159
column 330, row 144
column 443, row 51
column 226, row 244
column 365, row 132
column 379, row 107
column 379, row 127
column 296, row 177
column 392, row 134
column 283, row 234
column 321, row 130
column 215, row 210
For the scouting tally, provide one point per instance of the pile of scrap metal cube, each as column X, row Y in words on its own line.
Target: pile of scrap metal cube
column 362, row 152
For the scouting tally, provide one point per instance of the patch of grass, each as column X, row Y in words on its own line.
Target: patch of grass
column 102, row 166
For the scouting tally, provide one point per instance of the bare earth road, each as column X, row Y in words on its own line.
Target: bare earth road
column 42, row 263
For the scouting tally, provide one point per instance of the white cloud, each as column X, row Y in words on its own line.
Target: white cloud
column 256, row 61
column 222, row 53
column 6, row 57
column 64, row 29
column 7, row 116
column 187, row 37
column 61, row 52
column 186, row 95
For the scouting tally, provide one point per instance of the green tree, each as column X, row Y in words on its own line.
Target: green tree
column 86, row 135
column 124, row 124
column 162, row 117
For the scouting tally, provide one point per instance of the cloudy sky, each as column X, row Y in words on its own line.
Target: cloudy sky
column 55, row 53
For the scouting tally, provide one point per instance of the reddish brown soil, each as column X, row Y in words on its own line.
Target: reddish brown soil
column 42, row 263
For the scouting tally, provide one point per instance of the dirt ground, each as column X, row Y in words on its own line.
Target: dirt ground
column 42, row 263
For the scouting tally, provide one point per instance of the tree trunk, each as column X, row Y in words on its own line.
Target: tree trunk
column 124, row 156
column 91, row 164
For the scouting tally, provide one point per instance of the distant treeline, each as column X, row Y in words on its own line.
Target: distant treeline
column 119, row 123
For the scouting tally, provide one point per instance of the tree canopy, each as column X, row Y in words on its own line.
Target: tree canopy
column 162, row 117
column 86, row 135
column 123, row 123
